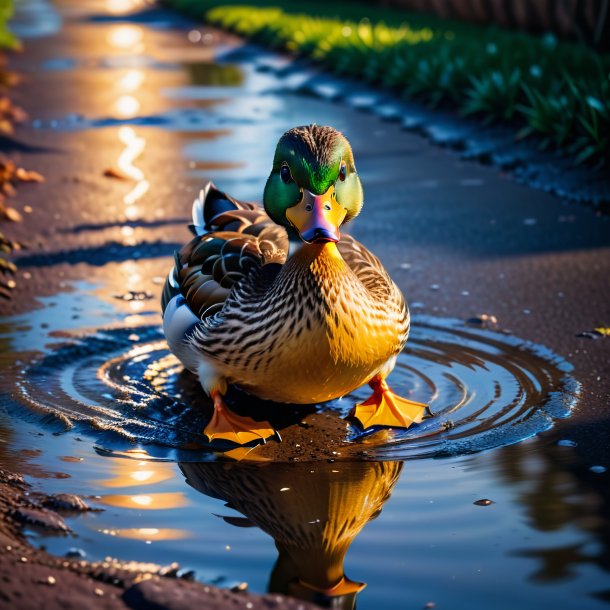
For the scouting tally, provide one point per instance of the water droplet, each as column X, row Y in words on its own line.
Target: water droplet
column 598, row 469
column 194, row 36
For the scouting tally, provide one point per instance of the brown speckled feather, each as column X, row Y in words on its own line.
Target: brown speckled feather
column 241, row 240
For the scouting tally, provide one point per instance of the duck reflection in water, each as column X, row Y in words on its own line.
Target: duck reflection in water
column 313, row 511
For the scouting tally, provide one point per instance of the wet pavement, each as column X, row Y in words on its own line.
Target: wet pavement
column 165, row 104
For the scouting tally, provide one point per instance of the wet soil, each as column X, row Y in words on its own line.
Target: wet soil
column 33, row 579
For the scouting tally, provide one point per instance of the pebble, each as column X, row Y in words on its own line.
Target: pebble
column 483, row 502
column 75, row 553
column 41, row 517
column 485, row 320
column 66, row 502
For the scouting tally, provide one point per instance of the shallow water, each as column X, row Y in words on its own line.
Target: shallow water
column 484, row 389
column 92, row 403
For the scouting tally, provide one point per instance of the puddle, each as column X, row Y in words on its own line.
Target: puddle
column 122, row 385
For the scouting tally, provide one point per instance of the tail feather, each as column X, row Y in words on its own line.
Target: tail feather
column 214, row 210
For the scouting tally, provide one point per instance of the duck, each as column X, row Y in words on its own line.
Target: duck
column 278, row 301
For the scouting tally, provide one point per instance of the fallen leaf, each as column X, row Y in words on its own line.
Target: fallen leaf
column 28, row 176
column 9, row 213
column 117, row 174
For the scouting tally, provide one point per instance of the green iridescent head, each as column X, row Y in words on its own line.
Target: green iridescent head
column 309, row 161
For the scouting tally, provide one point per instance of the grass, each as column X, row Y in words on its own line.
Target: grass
column 7, row 38
column 555, row 90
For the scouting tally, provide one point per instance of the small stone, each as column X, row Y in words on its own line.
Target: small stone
column 41, row 517
column 483, row 502
column 50, row 580
column 69, row 502
column 242, row 587
column 97, row 591
column 75, row 553
column 484, row 320
column 430, row 605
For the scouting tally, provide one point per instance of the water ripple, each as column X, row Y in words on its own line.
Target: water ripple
column 486, row 390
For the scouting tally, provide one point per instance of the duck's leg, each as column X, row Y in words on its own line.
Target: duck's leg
column 384, row 408
column 227, row 425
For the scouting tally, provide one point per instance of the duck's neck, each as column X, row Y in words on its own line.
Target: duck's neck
column 321, row 260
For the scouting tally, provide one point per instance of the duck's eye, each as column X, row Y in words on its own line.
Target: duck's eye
column 285, row 174
column 343, row 172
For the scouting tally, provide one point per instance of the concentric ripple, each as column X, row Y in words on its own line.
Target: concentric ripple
column 485, row 389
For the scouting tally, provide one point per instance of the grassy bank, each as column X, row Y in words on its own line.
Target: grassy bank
column 557, row 91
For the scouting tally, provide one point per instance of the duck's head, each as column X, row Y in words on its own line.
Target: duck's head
column 313, row 188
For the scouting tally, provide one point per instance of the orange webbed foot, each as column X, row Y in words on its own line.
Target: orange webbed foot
column 239, row 429
column 384, row 408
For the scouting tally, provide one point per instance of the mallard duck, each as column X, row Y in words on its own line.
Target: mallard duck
column 277, row 301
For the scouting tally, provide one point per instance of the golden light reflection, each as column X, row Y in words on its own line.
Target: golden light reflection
column 120, row 7
column 134, row 146
column 125, row 36
column 132, row 212
column 130, row 473
column 132, row 80
column 155, row 501
column 126, row 107
column 148, row 533
column 138, row 191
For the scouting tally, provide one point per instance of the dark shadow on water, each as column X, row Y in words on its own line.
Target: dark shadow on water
column 312, row 511
column 135, row 224
column 111, row 252
column 152, row 17
column 11, row 145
